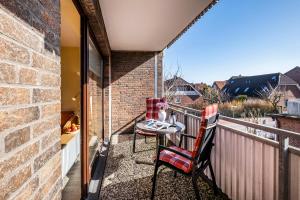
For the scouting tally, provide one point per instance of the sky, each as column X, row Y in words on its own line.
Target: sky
column 238, row 37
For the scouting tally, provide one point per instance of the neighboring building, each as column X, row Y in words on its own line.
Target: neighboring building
column 218, row 85
column 290, row 121
column 181, row 92
column 98, row 58
column 294, row 74
column 253, row 86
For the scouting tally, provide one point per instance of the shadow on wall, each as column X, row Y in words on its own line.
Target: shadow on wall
column 125, row 62
column 44, row 16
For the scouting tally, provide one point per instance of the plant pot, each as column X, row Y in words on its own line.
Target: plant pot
column 162, row 115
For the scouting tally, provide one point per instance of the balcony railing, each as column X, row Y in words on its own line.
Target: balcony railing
column 248, row 166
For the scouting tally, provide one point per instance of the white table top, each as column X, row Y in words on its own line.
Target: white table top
column 171, row 130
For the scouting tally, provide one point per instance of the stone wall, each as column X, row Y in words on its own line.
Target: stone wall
column 30, row 99
column 132, row 81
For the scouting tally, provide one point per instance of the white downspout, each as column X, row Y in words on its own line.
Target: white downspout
column 155, row 75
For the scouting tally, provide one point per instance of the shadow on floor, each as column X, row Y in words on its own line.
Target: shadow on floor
column 124, row 179
column 72, row 190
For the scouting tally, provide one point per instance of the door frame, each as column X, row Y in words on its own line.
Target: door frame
column 85, row 33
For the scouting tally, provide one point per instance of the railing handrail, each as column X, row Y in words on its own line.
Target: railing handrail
column 262, row 127
column 185, row 108
column 282, row 144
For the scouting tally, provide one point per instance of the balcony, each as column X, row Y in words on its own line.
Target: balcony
column 246, row 166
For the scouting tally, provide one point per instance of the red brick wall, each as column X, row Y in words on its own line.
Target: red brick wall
column 30, row 161
column 106, row 89
column 291, row 125
column 95, row 112
column 132, row 81
column 188, row 100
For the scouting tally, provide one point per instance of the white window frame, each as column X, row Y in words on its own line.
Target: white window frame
column 177, row 100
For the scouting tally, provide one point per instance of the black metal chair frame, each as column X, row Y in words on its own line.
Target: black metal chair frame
column 200, row 162
column 135, row 133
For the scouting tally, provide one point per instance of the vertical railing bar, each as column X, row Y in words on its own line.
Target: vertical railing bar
column 283, row 167
column 186, row 128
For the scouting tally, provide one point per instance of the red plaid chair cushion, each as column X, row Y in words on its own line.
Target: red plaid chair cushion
column 152, row 109
column 176, row 160
column 207, row 113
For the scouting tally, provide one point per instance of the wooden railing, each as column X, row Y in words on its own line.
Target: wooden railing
column 248, row 166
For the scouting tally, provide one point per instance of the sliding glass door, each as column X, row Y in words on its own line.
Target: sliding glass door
column 95, row 85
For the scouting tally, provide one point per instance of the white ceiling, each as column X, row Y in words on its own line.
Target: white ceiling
column 147, row 25
column 70, row 24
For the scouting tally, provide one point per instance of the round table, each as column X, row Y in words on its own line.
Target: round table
column 173, row 129
column 178, row 127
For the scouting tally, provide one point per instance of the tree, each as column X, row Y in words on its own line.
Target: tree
column 224, row 97
column 170, row 79
column 210, row 95
column 271, row 95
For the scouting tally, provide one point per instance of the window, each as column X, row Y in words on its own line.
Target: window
column 237, row 89
column 246, row 89
column 232, row 81
column 274, row 78
column 177, row 100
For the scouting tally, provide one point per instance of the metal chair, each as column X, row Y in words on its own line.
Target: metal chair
column 151, row 113
column 191, row 163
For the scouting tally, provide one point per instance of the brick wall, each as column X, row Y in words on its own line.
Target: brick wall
column 186, row 100
column 291, row 124
column 30, row 160
column 132, row 81
column 95, row 113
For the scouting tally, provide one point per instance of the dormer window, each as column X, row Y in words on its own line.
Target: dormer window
column 177, row 100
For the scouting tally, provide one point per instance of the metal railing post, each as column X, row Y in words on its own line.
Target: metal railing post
column 283, row 178
column 186, row 127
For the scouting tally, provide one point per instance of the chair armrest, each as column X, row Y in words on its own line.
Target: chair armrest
column 185, row 135
column 160, row 147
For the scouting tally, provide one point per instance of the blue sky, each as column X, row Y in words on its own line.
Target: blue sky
column 247, row 37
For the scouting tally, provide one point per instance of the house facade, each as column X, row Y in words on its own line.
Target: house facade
column 96, row 59
column 294, row 74
column 181, row 92
column 256, row 86
column 218, row 85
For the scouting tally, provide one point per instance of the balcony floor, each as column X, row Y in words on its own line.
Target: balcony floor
column 124, row 179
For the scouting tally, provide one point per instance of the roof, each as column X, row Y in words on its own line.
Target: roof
column 253, row 85
column 143, row 25
column 294, row 74
column 220, row 84
column 178, row 81
column 250, row 85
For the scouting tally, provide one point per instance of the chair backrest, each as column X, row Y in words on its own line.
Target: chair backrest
column 209, row 116
column 152, row 109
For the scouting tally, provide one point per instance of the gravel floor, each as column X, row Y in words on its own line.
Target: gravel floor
column 124, row 179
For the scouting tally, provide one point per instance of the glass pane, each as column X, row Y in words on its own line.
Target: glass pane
column 95, row 100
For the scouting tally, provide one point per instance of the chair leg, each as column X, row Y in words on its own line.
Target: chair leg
column 213, row 177
column 134, row 139
column 194, row 180
column 145, row 139
column 154, row 180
